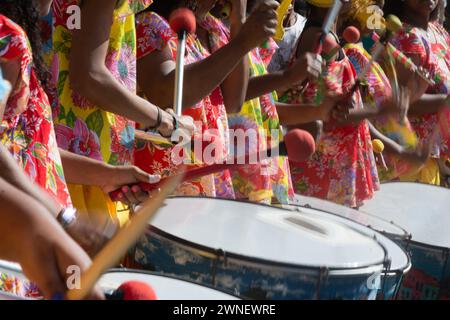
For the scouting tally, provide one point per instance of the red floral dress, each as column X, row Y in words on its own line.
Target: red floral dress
column 154, row 33
column 27, row 127
column 433, row 50
column 378, row 90
column 343, row 169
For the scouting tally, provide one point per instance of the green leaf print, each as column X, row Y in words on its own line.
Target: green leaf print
column 95, row 122
column 62, row 113
column 113, row 159
column 70, row 119
column 129, row 39
column 61, row 81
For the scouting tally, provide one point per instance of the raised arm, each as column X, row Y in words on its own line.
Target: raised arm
column 90, row 77
column 225, row 67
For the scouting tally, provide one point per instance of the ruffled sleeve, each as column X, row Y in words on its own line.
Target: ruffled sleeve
column 412, row 44
column 219, row 35
column 14, row 46
column 153, row 33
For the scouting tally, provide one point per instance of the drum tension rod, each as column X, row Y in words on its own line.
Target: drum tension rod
column 323, row 275
column 220, row 255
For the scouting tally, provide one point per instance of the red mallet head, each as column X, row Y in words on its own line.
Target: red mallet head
column 183, row 19
column 136, row 290
column 300, row 145
column 351, row 34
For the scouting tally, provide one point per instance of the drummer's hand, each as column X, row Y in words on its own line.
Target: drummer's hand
column 46, row 255
column 186, row 125
column 126, row 178
column 415, row 157
column 92, row 233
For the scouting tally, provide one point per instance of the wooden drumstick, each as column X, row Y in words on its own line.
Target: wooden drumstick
column 152, row 137
column 123, row 240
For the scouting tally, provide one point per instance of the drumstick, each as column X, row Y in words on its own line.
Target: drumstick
column 298, row 145
column 152, row 137
column 329, row 20
column 122, row 241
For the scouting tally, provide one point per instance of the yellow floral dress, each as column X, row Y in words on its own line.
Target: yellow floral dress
column 83, row 127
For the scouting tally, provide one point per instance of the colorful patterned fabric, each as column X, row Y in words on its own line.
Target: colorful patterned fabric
column 432, row 49
column 377, row 91
column 343, row 169
column 27, row 127
column 83, row 127
column 270, row 180
column 17, row 286
column 154, row 33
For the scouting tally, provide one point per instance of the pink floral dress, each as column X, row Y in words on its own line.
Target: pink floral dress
column 433, row 50
column 269, row 181
column 154, row 33
column 377, row 91
column 27, row 127
column 343, row 169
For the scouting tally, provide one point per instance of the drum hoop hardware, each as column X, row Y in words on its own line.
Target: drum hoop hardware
column 445, row 255
column 212, row 253
column 323, row 275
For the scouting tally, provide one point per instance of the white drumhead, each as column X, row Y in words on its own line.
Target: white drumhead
column 423, row 210
column 263, row 232
column 398, row 257
column 363, row 218
column 165, row 288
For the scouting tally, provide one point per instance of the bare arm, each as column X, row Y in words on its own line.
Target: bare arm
column 14, row 175
column 429, row 103
column 89, row 75
column 307, row 66
column 234, row 86
column 30, row 236
column 201, row 77
column 296, row 114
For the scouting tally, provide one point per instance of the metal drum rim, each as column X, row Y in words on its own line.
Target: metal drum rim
column 411, row 240
column 172, row 277
column 406, row 236
column 408, row 265
column 208, row 251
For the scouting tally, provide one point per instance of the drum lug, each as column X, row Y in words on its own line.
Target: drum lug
column 323, row 277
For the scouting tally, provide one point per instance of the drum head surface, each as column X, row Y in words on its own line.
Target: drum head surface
column 363, row 218
column 166, row 288
column 423, row 210
column 399, row 259
column 267, row 233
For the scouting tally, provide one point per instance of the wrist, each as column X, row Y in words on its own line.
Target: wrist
column 66, row 217
column 167, row 123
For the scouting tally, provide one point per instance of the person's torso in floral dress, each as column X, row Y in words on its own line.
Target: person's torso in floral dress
column 343, row 169
column 269, row 181
column 376, row 92
column 27, row 127
column 154, row 33
column 81, row 126
column 432, row 48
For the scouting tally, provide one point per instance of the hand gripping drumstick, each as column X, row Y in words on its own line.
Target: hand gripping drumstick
column 122, row 241
column 330, row 19
column 298, row 145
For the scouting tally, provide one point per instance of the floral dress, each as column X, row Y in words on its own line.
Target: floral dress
column 432, row 49
column 27, row 127
column 154, row 33
column 83, row 127
column 377, row 91
column 270, row 180
column 343, row 169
